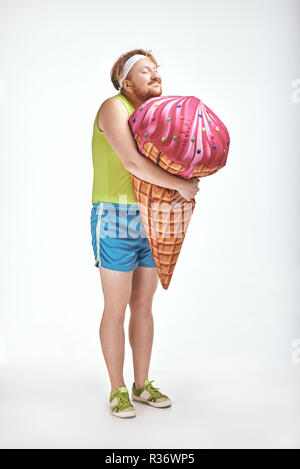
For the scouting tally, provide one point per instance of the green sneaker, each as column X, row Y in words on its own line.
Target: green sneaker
column 150, row 394
column 120, row 403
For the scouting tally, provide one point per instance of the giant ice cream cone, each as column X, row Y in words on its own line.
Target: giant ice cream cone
column 184, row 137
column 165, row 226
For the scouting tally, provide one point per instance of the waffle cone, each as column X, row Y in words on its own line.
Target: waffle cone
column 165, row 225
column 158, row 157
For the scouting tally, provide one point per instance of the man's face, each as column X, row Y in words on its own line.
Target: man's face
column 144, row 79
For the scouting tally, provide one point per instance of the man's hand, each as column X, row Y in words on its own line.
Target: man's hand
column 177, row 197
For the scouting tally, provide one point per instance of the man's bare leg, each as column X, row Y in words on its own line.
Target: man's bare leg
column 116, row 288
column 141, row 328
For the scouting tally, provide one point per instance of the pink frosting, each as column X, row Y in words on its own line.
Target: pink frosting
column 183, row 117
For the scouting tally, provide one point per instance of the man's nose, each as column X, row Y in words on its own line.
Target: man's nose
column 156, row 75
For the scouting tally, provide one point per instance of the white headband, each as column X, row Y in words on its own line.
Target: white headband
column 128, row 64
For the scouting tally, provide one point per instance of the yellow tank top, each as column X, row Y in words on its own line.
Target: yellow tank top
column 111, row 182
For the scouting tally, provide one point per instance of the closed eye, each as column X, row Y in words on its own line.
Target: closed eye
column 148, row 68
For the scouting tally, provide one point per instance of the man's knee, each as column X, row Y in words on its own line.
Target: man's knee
column 115, row 312
column 140, row 307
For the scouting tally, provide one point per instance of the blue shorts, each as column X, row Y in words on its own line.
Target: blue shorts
column 118, row 237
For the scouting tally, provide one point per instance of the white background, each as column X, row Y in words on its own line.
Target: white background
column 227, row 331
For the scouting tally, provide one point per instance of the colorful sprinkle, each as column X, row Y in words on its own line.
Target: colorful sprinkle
column 198, row 151
column 153, row 118
column 156, row 104
column 133, row 120
column 181, row 117
column 141, row 108
column 214, row 147
column 192, row 139
column 209, row 121
column 203, row 129
column 178, row 105
column 145, row 134
column 224, row 151
column 169, row 118
column 175, row 137
column 200, row 115
column 227, row 143
column 217, row 129
column 163, row 139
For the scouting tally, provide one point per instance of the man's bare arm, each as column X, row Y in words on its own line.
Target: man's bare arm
column 114, row 120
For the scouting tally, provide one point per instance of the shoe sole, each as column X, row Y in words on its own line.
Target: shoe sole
column 125, row 415
column 161, row 404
